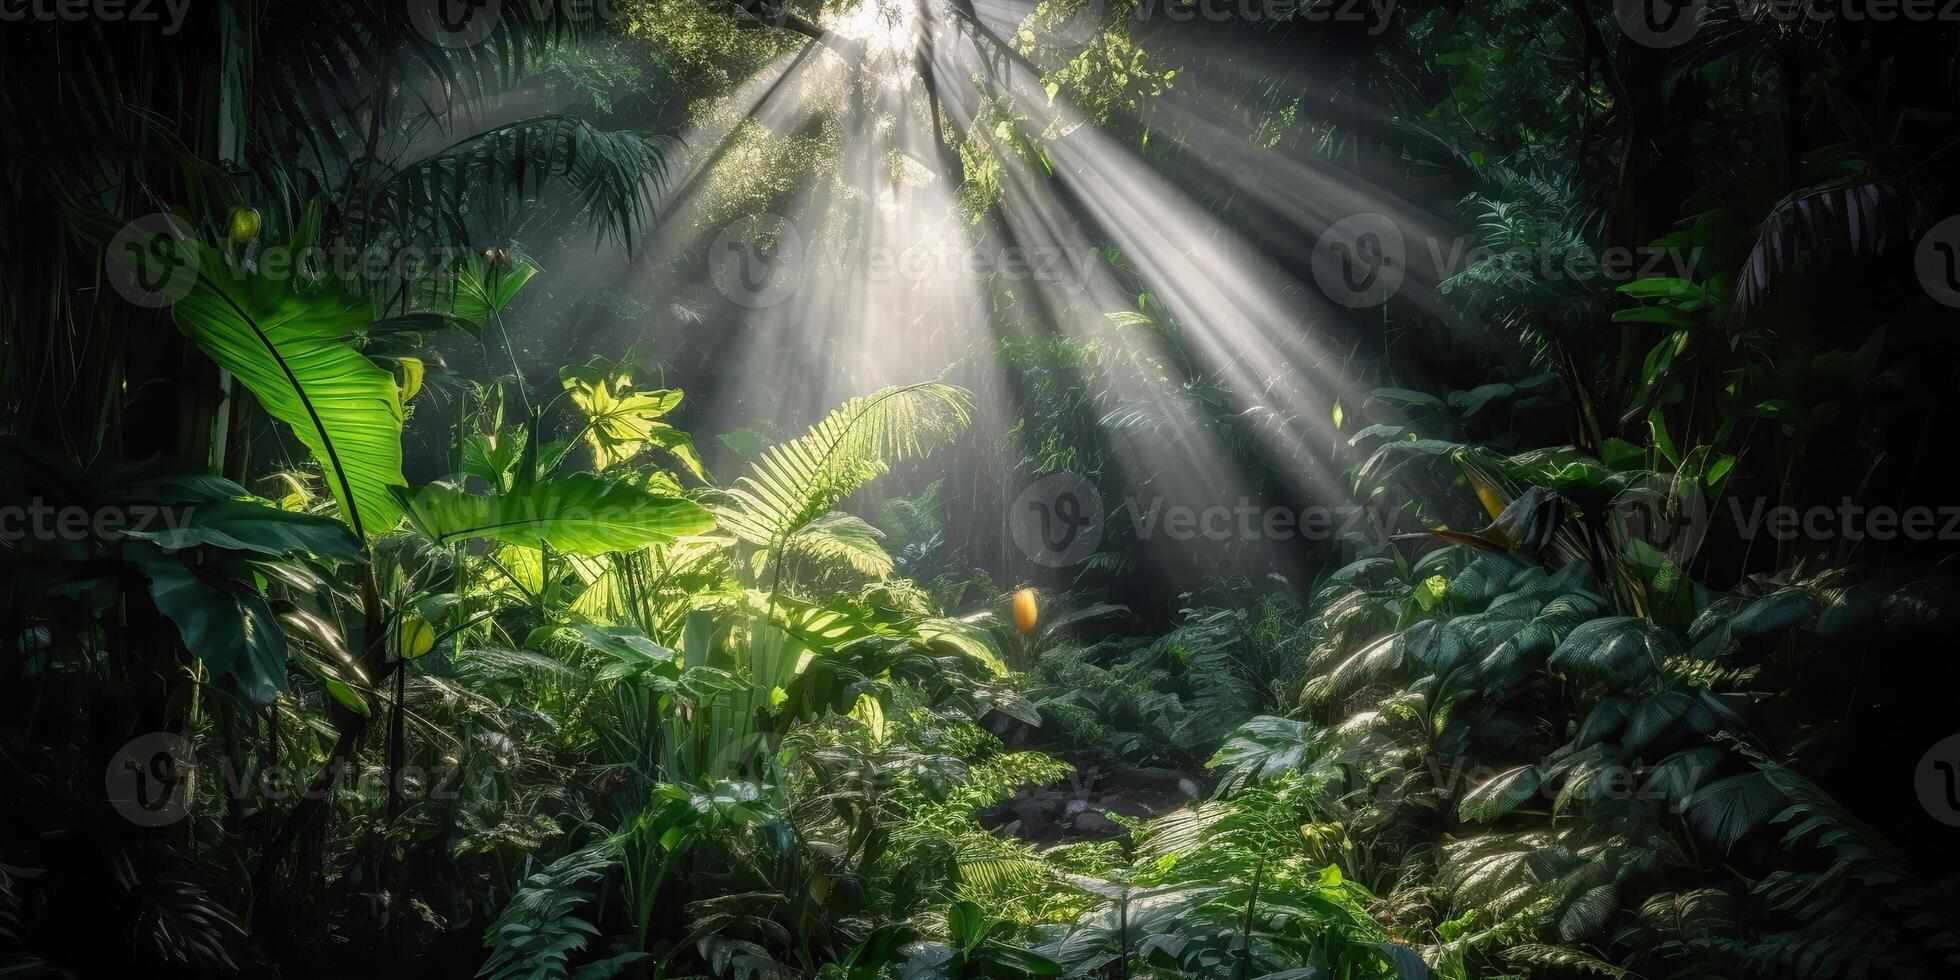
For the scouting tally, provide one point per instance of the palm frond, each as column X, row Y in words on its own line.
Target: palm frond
column 843, row 540
column 612, row 178
column 1829, row 225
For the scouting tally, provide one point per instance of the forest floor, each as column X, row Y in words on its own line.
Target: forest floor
column 1079, row 808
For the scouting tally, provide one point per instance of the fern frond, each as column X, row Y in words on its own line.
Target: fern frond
column 1866, row 913
column 542, row 929
column 796, row 483
column 996, row 873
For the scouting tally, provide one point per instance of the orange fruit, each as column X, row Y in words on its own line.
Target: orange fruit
column 1026, row 613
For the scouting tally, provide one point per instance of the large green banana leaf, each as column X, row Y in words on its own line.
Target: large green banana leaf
column 292, row 352
column 581, row 514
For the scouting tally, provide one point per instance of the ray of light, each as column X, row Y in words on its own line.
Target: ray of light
column 1233, row 347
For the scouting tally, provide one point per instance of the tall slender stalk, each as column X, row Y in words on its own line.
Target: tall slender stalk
column 1245, row 932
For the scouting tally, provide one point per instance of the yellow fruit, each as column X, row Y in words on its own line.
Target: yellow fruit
column 1026, row 613
column 244, row 228
column 414, row 638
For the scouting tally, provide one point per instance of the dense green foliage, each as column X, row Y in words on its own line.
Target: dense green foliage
column 492, row 658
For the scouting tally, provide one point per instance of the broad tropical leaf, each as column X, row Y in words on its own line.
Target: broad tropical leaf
column 227, row 625
column 580, row 514
column 245, row 525
column 1726, row 809
column 484, row 288
column 1611, row 650
column 1265, row 747
column 621, row 421
column 1500, row 794
column 293, row 353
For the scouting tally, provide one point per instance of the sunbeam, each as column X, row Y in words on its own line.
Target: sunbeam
column 931, row 489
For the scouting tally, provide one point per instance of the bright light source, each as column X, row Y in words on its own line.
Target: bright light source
column 886, row 30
